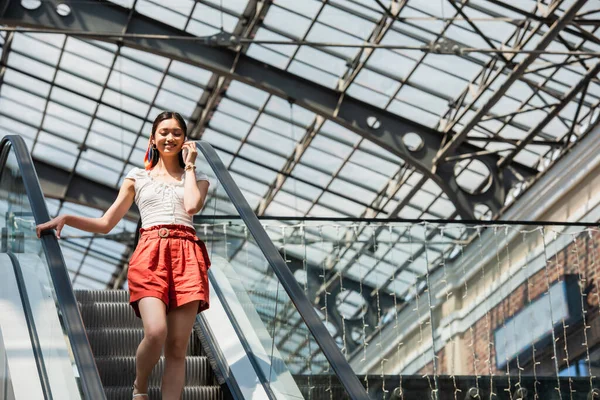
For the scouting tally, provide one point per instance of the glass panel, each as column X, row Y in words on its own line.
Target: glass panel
column 18, row 238
column 523, row 294
column 285, row 351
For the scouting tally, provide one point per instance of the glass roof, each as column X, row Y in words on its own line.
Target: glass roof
column 86, row 107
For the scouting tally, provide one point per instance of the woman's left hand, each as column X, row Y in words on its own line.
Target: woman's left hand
column 189, row 152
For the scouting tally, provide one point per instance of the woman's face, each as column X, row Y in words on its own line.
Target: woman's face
column 169, row 137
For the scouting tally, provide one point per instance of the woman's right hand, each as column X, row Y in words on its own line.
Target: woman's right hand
column 55, row 223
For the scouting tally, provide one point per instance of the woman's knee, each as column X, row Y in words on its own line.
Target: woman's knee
column 156, row 334
column 176, row 347
column 154, row 317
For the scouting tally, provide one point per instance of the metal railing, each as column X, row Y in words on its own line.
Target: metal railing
column 444, row 308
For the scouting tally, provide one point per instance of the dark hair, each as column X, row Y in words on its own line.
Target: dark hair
column 163, row 116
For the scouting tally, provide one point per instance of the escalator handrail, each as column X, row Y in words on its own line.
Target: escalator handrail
column 325, row 341
column 67, row 303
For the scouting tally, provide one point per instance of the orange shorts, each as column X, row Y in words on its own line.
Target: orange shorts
column 170, row 263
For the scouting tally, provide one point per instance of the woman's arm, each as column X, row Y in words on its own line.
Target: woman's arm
column 103, row 224
column 194, row 193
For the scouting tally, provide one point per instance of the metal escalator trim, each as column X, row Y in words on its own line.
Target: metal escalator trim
column 325, row 341
column 220, row 359
column 31, row 328
column 84, row 359
column 205, row 343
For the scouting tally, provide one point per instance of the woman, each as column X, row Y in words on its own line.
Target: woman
column 167, row 274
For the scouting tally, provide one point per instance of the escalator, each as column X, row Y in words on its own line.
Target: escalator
column 114, row 332
column 261, row 338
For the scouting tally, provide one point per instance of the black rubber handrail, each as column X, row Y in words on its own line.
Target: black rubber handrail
column 340, row 365
column 91, row 384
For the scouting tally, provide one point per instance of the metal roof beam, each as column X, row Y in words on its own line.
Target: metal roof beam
column 379, row 126
column 247, row 26
column 516, row 73
column 5, row 52
column 533, row 132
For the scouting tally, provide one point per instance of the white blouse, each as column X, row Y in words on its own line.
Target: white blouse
column 160, row 203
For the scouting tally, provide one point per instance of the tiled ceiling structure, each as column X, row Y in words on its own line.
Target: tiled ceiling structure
column 429, row 109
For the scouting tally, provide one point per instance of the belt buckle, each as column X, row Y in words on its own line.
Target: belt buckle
column 163, row 232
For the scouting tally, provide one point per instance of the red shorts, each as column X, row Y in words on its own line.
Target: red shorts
column 169, row 263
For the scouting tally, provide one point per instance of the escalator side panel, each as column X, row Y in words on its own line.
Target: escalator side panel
column 23, row 195
column 239, row 369
column 6, row 386
column 231, row 291
column 55, row 351
column 20, row 358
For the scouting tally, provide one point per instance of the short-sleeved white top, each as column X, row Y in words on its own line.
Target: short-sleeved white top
column 160, row 203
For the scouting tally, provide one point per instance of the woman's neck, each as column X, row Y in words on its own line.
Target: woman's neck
column 170, row 165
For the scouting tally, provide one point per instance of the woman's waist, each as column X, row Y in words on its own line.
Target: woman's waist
column 164, row 231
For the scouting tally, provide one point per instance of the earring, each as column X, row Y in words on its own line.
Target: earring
column 154, row 154
column 149, row 156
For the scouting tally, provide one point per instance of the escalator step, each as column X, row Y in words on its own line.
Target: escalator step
column 115, row 332
column 102, row 296
column 109, row 342
column 115, row 315
column 189, row 393
column 120, row 371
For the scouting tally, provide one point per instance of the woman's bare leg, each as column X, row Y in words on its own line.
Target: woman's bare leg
column 179, row 322
column 154, row 317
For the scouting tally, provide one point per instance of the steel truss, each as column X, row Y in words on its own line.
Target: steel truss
column 230, row 64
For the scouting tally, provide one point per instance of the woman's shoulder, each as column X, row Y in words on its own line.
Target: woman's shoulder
column 136, row 173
